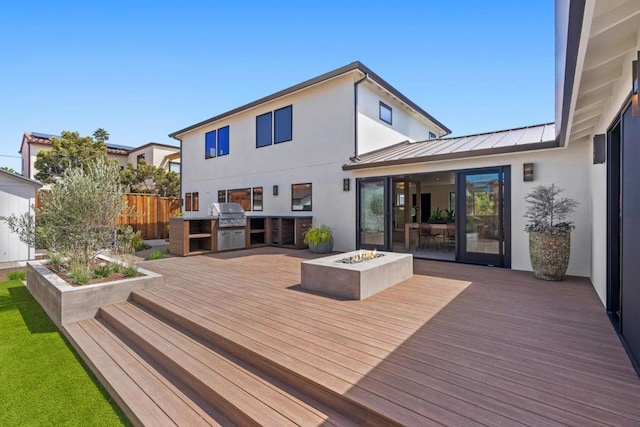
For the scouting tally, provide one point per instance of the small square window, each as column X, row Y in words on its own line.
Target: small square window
column 257, row 198
column 242, row 196
column 187, row 202
column 283, row 124
column 222, row 196
column 174, row 167
column 210, row 144
column 140, row 159
column 386, row 114
column 263, row 130
column 195, row 204
column 301, row 197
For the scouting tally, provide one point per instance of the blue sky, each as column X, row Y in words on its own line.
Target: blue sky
column 144, row 69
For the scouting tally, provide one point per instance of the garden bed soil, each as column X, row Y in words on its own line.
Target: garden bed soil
column 95, row 263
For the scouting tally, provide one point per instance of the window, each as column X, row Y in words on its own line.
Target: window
column 210, row 144
column 301, row 197
column 216, row 142
column 140, row 159
column 263, row 130
column 242, row 196
column 174, row 167
column 191, row 202
column 386, row 114
column 432, row 135
column 222, row 196
column 283, row 124
column 257, row 198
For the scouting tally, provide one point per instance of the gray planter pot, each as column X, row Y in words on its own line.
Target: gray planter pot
column 549, row 254
column 321, row 248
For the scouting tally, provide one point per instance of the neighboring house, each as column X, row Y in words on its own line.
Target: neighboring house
column 17, row 196
column 160, row 155
column 360, row 157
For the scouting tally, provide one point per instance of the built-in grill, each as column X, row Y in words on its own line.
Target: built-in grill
column 229, row 214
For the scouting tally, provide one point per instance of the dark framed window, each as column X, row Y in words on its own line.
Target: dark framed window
column 174, row 167
column 210, row 144
column 432, row 135
column 301, row 197
column 140, row 159
column 223, row 141
column 222, row 196
column 187, row 202
column 242, row 196
column 257, row 198
column 283, row 124
column 386, row 113
column 195, row 202
column 263, row 130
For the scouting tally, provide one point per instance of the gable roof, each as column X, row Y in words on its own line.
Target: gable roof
column 357, row 65
column 45, row 139
column 17, row 177
column 482, row 144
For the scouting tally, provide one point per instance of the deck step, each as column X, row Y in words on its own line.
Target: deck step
column 240, row 391
column 362, row 405
column 147, row 395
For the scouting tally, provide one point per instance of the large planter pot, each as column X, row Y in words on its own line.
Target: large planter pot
column 321, row 248
column 549, row 254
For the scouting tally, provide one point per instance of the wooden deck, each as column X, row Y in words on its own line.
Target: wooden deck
column 235, row 339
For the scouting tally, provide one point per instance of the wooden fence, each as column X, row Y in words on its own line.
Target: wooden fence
column 147, row 213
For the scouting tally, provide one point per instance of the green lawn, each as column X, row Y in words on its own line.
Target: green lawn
column 42, row 380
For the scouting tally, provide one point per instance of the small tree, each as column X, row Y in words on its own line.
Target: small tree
column 69, row 151
column 547, row 212
column 8, row 169
column 150, row 179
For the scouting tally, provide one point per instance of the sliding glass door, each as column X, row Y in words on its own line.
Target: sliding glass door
column 483, row 216
column 373, row 213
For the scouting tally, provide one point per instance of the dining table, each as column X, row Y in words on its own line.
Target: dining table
column 441, row 229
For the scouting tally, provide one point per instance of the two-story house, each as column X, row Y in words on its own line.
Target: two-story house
column 283, row 154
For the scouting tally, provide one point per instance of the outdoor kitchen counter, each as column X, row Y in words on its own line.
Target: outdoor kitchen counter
column 192, row 236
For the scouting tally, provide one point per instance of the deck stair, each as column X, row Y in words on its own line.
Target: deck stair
column 165, row 366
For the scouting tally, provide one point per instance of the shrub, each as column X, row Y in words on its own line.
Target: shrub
column 54, row 258
column 156, row 255
column 17, row 275
column 102, row 271
column 130, row 270
column 137, row 242
column 317, row 235
column 547, row 212
column 80, row 273
column 116, row 267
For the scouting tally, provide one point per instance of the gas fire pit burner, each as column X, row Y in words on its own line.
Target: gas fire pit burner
column 361, row 256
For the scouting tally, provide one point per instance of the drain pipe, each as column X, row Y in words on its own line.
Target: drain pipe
column 355, row 115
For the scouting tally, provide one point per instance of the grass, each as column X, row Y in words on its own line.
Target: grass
column 42, row 380
column 156, row 255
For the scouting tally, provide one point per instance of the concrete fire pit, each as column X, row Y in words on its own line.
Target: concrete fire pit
column 359, row 280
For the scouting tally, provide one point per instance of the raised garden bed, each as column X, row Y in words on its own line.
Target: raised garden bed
column 65, row 303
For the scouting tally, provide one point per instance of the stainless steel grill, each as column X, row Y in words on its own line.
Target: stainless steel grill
column 229, row 214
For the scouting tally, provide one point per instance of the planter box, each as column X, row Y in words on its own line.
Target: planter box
column 67, row 304
column 356, row 281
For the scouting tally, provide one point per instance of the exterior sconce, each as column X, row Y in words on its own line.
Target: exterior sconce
column 527, row 172
column 275, row 190
column 635, row 108
column 346, row 184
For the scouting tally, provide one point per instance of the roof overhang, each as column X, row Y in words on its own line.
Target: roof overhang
column 20, row 178
column 596, row 41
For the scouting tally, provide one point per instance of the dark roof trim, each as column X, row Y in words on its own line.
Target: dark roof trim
column 326, row 76
column 574, row 30
column 454, row 156
column 33, row 182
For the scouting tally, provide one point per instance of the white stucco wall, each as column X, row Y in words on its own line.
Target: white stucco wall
column 374, row 133
column 16, row 198
column 567, row 168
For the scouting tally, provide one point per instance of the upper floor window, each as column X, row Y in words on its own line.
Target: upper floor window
column 174, row 167
column 140, row 159
column 274, row 127
column 386, row 114
column 283, row 124
column 432, row 135
column 216, row 143
column 263, row 130
column 301, row 197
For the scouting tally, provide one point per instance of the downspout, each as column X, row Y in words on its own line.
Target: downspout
column 181, row 172
column 355, row 114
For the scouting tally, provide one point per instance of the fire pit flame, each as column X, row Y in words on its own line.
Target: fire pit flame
column 361, row 257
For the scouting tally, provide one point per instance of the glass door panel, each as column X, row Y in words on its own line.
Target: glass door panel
column 373, row 213
column 481, row 207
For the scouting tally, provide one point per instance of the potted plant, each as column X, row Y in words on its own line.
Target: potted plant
column 450, row 214
column 319, row 239
column 437, row 216
column 549, row 231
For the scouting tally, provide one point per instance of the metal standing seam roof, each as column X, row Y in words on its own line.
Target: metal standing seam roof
column 498, row 142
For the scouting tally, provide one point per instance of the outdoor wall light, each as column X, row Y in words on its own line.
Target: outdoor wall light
column 527, row 172
column 635, row 108
column 275, row 190
column 346, row 184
